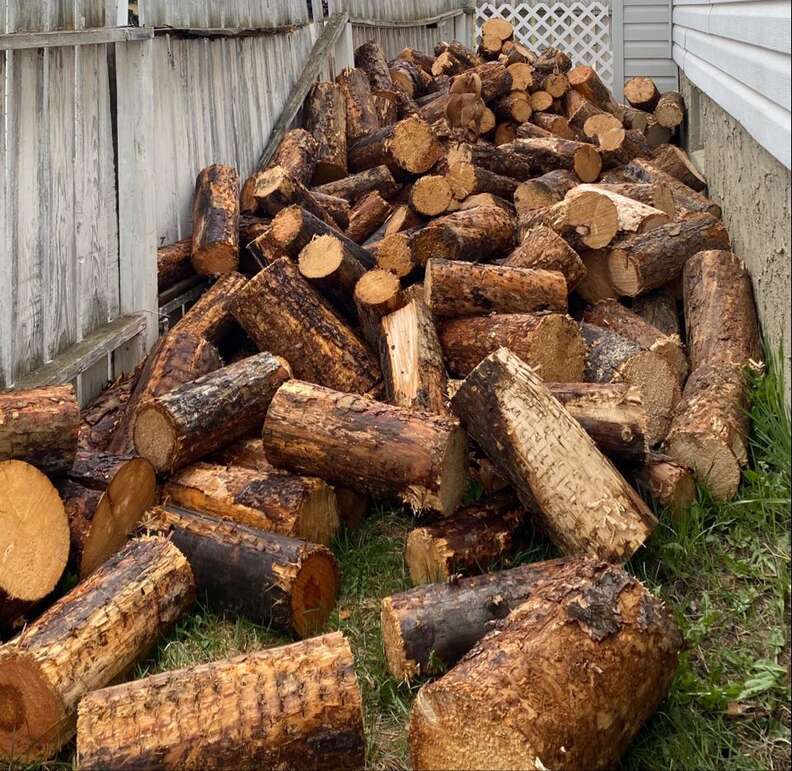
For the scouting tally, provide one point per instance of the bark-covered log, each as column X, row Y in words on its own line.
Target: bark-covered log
column 326, row 120
column 407, row 146
column 368, row 446
column 361, row 112
column 455, row 289
column 472, row 235
column 659, row 308
column 429, row 628
column 210, row 317
column 648, row 260
column 674, row 161
column 613, row 358
column 710, row 429
column 635, row 119
column 297, row 706
column 499, row 160
column 40, row 426
column 354, row 187
column 618, row 146
column 273, row 580
column 264, row 249
column 596, row 284
column 403, row 218
column 670, row 110
column 552, row 60
column 486, row 199
column 296, row 506
column 418, row 58
column 371, row 59
column 467, row 543
column 215, row 237
column 519, row 699
column 550, row 343
column 412, row 360
column 547, row 155
column 466, row 180
column 338, row 209
column 642, row 93
column 542, row 248
column 545, row 190
column 669, row 483
column 85, row 641
column 557, row 125
column 522, row 76
column 34, row 546
column 720, row 314
column 377, row 293
column 174, row 263
column 657, row 195
column 514, row 106
column 431, row 195
column 468, row 57
column 549, row 458
column 201, row 416
column 512, row 132
column 517, row 52
column 283, row 314
column 586, row 81
column 656, row 134
column 101, row 417
column 177, row 358
column 367, row 216
column 578, row 109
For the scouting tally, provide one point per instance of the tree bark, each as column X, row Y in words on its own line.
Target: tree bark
column 201, row 416
column 361, row 113
column 466, row 180
column 297, row 706
column 544, row 191
column 499, row 160
column 210, row 317
column 215, row 237
column 354, row 187
column 656, row 195
column 720, row 314
column 514, row 106
column 296, row 506
column 412, row 360
column 40, row 426
column 549, row 458
column 368, row 446
column 337, row 208
column 518, row 700
column 512, row 132
column 85, row 641
column 326, row 120
column 675, row 161
column 407, row 146
column 174, row 263
column 642, row 93
column 586, row 81
column 546, row 155
column 659, row 308
column 371, row 59
column 543, row 249
column 670, row 110
column 648, row 260
column 367, row 216
column 101, row 417
column 550, row 343
column 555, row 124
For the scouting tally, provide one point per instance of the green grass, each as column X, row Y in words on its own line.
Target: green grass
column 724, row 568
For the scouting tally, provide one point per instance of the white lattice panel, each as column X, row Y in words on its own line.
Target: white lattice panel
column 580, row 29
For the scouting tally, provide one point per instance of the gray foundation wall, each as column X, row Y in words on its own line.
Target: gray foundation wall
column 754, row 190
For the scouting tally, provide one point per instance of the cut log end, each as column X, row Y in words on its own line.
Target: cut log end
column 156, row 438
column 394, row 644
column 712, row 461
column 587, row 163
column 595, row 218
column 415, row 145
column 321, row 258
column 314, row 593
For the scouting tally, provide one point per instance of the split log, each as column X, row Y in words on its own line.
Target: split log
column 410, row 146
column 105, row 497
column 499, row 160
column 361, row 113
column 642, row 93
column 325, row 119
column 711, row 427
column 675, row 161
column 403, row 218
column 377, row 293
column 720, row 313
column 612, row 358
column 586, row 81
column 467, row 543
column 550, row 343
column 86, row 640
column 40, row 426
column 210, row 318
column 549, row 458
column 543, row 249
column 475, row 234
column 174, row 263
column 412, row 360
column 296, row 506
column 517, row 700
column 294, row 706
column 555, row 124
column 177, row 358
column 670, row 484
column 371, row 59
column 201, row 416
column 102, row 416
column 367, row 216
column 271, row 579
column 368, row 446
column 670, row 110
column 215, row 237
column 649, row 260
column 466, row 180
column 553, row 154
column 544, row 191
column 34, row 547
column 354, row 187
column 659, row 308
column 431, row 195
column 333, row 271
column 427, row 629
column 634, row 216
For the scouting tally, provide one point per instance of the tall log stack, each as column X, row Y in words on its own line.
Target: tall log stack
column 494, row 215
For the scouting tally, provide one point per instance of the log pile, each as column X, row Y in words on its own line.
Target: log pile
column 493, row 215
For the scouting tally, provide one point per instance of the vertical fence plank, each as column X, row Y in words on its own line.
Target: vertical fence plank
column 7, row 257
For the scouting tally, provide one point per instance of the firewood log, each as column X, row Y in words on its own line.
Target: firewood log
column 177, row 358
column 215, row 237
column 294, row 706
column 659, row 308
column 556, row 84
column 371, row 59
column 670, row 110
column 720, row 313
column 656, row 134
column 403, row 218
column 596, row 285
column 325, row 119
column 174, row 263
column 553, row 154
column 468, row 542
column 412, row 360
column 613, row 358
column 368, row 446
column 86, row 640
column 545, row 190
column 549, row 458
column 100, row 418
column 552, row 60
column 271, row 579
column 296, row 506
column 466, row 180
column 635, row 119
column 517, row 699
column 669, row 483
column 642, row 93
column 354, row 187
column 40, row 426
column 675, row 161
column 454, row 289
column 264, row 249
column 395, row 253
column 468, row 57
column 407, row 146
column 472, row 235
column 418, row 58
column 387, row 108
column 578, row 109
column 586, row 81
column 633, row 216
column 367, row 216
column 429, row 628
column 600, row 123
column 516, row 52
column 361, row 113
column 523, row 131
column 484, row 199
column 34, row 545
column 406, row 78
column 658, row 195
column 107, row 495
column 555, row 124
column 377, row 293
column 542, row 248
column 550, row 343
column 522, row 76
column 648, row 260
column 499, row 160
column 431, row 195
column 338, row 209
column 514, row 106
column 210, row 317
column 711, row 427
column 201, row 416
column 618, row 146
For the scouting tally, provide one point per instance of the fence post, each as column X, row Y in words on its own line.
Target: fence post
column 617, row 45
